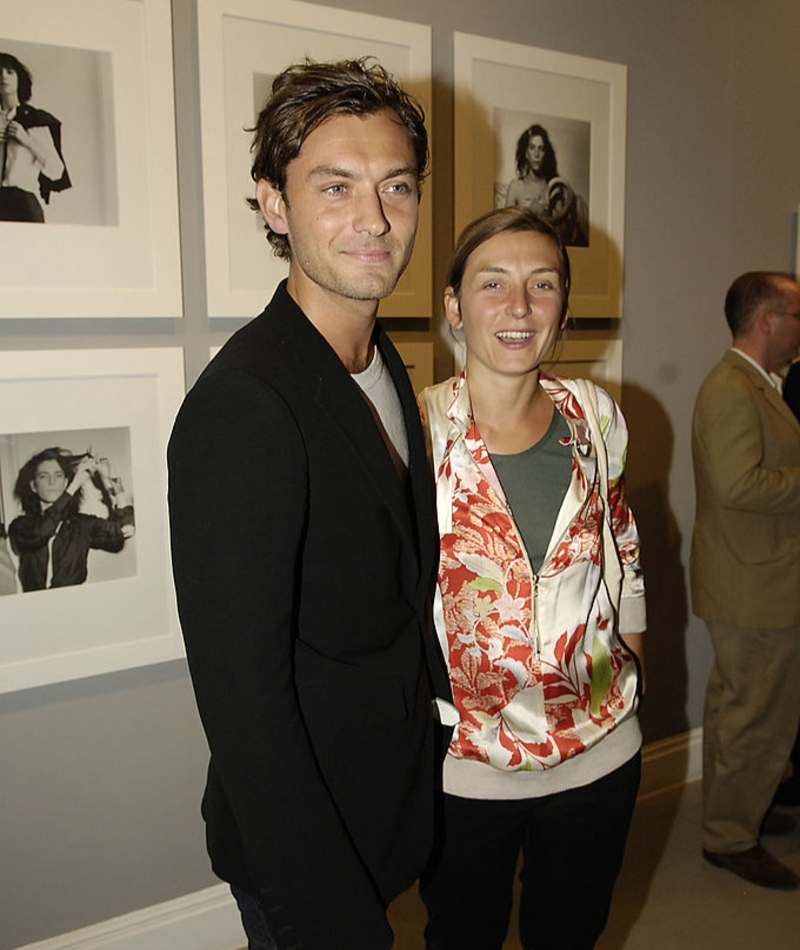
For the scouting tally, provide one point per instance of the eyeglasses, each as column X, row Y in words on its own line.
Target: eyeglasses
column 788, row 313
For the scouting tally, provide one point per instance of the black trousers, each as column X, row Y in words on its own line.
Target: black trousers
column 572, row 843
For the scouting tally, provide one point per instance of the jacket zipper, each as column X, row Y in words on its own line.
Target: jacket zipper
column 537, row 640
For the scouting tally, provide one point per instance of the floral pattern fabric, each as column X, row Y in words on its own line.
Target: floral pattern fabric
column 537, row 669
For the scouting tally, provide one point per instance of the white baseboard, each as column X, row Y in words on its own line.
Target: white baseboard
column 205, row 920
column 209, row 919
column 671, row 762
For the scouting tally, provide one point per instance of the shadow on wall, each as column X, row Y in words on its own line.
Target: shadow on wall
column 663, row 712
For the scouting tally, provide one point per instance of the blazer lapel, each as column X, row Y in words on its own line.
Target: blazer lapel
column 420, row 478
column 771, row 394
column 339, row 397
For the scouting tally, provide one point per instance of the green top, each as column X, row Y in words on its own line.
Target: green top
column 535, row 482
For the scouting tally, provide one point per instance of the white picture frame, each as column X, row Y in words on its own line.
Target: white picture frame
column 242, row 44
column 110, row 246
column 503, row 88
column 118, row 621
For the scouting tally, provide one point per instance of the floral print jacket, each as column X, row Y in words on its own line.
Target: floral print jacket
column 538, row 672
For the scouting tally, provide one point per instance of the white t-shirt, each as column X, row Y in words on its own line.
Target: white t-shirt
column 379, row 391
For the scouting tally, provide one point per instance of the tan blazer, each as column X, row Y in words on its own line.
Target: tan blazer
column 745, row 561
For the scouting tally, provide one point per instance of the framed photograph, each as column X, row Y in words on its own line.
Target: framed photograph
column 598, row 358
column 243, row 45
column 417, row 356
column 546, row 130
column 85, row 578
column 89, row 222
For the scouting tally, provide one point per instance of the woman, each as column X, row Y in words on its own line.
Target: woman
column 545, row 751
column 539, row 187
column 30, row 147
column 52, row 538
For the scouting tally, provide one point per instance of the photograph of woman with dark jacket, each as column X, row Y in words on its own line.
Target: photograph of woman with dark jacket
column 31, row 163
column 52, row 537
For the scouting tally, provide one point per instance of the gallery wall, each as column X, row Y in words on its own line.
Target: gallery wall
column 102, row 776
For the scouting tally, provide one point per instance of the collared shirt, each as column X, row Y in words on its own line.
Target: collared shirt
column 772, row 378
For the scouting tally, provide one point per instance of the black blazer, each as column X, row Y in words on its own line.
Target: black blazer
column 791, row 388
column 304, row 574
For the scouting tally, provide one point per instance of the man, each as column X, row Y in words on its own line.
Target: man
column 791, row 388
column 789, row 790
column 303, row 534
column 745, row 570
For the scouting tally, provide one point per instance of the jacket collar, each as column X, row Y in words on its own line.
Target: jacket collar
column 340, row 399
column 561, row 390
column 757, row 378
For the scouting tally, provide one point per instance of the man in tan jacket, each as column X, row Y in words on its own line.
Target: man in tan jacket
column 745, row 572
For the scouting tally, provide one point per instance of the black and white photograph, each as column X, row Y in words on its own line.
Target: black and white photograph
column 87, row 149
column 56, row 135
column 85, row 575
column 546, row 130
column 544, row 164
column 67, row 508
column 242, row 44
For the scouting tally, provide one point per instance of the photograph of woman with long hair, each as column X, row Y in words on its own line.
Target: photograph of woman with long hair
column 52, row 538
column 539, row 186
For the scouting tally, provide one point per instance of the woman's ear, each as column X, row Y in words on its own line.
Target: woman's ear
column 273, row 207
column 452, row 308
